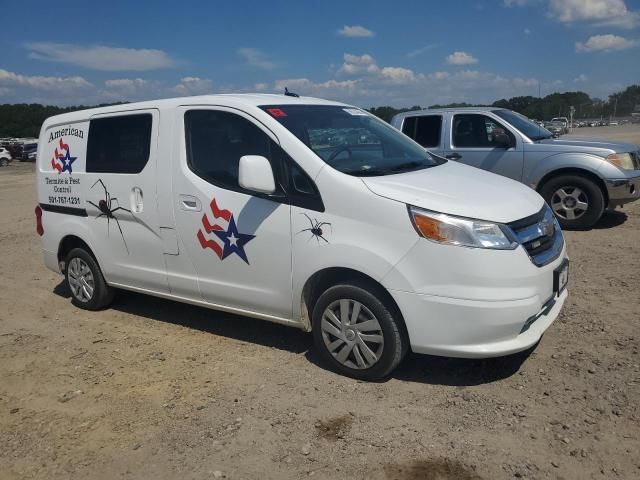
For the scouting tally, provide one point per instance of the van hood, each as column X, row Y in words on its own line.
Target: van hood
column 586, row 144
column 460, row 190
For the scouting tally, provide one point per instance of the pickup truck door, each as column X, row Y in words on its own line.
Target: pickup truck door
column 470, row 141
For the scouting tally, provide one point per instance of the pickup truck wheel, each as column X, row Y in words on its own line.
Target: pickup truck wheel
column 577, row 201
column 356, row 334
column 89, row 290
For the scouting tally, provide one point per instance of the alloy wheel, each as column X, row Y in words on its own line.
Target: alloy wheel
column 569, row 202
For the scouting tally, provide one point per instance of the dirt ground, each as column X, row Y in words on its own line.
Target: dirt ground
column 155, row 389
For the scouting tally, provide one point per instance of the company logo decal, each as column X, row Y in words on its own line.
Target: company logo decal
column 62, row 161
column 225, row 239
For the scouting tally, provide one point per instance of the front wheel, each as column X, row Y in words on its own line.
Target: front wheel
column 89, row 290
column 356, row 334
column 577, row 201
column 4, row 162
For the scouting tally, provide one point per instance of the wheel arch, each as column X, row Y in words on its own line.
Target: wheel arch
column 323, row 279
column 68, row 243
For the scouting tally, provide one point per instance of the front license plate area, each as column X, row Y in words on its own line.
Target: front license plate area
column 561, row 277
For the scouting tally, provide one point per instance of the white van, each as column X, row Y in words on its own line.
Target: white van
column 304, row 212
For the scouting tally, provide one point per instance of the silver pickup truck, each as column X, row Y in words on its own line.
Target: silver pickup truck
column 578, row 178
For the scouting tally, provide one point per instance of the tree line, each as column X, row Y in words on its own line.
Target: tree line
column 619, row 104
column 24, row 120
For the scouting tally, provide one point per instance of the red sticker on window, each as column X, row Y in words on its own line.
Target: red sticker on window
column 276, row 112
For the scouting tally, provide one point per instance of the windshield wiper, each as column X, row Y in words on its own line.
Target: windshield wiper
column 407, row 166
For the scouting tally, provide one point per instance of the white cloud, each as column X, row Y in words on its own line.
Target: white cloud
column 518, row 3
column 355, row 31
column 581, row 78
column 398, row 75
column 461, row 58
column 599, row 12
column 422, row 50
column 100, row 57
column 328, row 89
column 605, row 43
column 358, row 64
column 37, row 82
column 193, row 86
column 261, row 87
column 258, row 59
column 527, row 31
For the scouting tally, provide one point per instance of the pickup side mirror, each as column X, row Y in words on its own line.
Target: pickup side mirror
column 501, row 139
column 255, row 173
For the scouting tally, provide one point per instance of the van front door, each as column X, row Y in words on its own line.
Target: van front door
column 239, row 242
column 472, row 142
column 120, row 191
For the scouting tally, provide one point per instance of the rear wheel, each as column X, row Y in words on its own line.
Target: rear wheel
column 89, row 290
column 356, row 334
column 577, row 201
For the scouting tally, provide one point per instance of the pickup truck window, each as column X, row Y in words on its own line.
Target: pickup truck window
column 425, row 129
column 351, row 140
column 471, row 130
column 524, row 125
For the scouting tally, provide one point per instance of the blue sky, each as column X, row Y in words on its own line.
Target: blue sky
column 369, row 53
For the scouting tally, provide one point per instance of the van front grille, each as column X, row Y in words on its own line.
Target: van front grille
column 540, row 235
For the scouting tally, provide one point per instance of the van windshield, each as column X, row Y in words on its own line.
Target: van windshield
column 351, row 140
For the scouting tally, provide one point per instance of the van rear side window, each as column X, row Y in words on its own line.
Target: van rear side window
column 425, row 130
column 119, row 144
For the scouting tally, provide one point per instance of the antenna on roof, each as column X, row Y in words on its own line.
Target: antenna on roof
column 290, row 94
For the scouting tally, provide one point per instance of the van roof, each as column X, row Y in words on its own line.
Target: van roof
column 234, row 99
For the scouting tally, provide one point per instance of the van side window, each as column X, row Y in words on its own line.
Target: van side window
column 119, row 144
column 216, row 140
column 475, row 131
column 426, row 129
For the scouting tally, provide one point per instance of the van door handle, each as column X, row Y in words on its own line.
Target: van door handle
column 453, row 156
column 190, row 203
column 137, row 203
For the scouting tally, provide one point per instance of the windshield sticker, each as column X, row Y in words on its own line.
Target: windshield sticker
column 225, row 239
column 354, row 111
column 276, row 112
column 315, row 229
column 108, row 206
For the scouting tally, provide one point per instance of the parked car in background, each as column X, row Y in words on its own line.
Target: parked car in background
column 5, row 157
column 564, row 121
column 578, row 178
column 556, row 128
column 29, row 152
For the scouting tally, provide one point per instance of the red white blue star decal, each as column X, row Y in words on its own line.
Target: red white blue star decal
column 226, row 238
column 62, row 162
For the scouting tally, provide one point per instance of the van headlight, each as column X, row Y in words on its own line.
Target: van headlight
column 622, row 160
column 464, row 232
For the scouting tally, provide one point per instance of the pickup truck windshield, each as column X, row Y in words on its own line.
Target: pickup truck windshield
column 526, row 126
column 351, row 140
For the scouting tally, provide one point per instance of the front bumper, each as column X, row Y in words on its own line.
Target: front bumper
column 475, row 329
column 624, row 190
column 465, row 302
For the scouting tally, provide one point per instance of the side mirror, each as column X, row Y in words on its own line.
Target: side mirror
column 255, row 173
column 501, row 139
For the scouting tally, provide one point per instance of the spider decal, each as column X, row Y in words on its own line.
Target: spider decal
column 106, row 209
column 316, row 228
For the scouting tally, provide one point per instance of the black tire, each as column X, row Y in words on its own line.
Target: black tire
column 4, row 162
column 395, row 340
column 102, row 294
column 591, row 192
